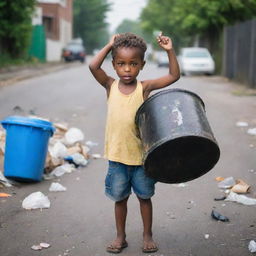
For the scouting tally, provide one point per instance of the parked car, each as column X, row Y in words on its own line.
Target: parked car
column 162, row 59
column 74, row 52
column 196, row 60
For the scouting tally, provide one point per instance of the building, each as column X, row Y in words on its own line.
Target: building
column 57, row 20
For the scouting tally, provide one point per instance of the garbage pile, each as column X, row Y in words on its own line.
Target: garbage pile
column 66, row 151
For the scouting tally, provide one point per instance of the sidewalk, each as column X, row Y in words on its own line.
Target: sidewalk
column 14, row 74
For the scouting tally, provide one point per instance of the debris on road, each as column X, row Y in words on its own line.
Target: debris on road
column 227, row 183
column 91, row 143
column 251, row 131
column 5, row 195
column 57, row 187
column 240, row 187
column 39, row 247
column 241, row 124
column 242, row 199
column 36, row 200
column 217, row 216
column 77, row 159
column 220, row 198
column 74, row 135
column 4, row 181
column 252, row 246
column 62, row 169
column 206, row 236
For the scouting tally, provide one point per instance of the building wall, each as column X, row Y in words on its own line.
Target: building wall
column 57, row 20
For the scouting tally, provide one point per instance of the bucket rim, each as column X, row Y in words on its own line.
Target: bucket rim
column 29, row 121
column 165, row 91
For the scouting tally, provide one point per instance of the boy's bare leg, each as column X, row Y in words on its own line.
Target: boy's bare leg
column 147, row 212
column 120, row 217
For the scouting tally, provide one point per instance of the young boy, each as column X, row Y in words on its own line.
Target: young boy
column 122, row 146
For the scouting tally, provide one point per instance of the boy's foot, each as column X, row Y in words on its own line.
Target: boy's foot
column 149, row 246
column 116, row 247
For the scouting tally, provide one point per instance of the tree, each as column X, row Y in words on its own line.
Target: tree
column 89, row 22
column 15, row 26
column 201, row 21
column 187, row 19
column 133, row 27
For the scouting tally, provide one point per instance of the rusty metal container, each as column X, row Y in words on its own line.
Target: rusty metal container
column 177, row 139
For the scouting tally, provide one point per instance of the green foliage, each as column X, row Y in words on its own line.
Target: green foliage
column 15, row 26
column 133, row 27
column 89, row 22
column 185, row 19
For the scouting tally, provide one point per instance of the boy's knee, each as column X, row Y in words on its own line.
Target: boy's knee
column 144, row 200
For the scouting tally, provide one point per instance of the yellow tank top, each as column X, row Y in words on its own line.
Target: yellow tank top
column 121, row 141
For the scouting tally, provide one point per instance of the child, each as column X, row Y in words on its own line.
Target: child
column 122, row 147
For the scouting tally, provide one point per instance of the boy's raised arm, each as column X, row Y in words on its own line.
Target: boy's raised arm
column 174, row 71
column 95, row 65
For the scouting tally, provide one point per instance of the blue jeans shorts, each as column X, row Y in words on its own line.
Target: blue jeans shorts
column 121, row 178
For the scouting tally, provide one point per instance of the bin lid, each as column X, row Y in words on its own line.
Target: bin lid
column 28, row 121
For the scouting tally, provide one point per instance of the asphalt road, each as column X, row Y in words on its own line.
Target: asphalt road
column 80, row 221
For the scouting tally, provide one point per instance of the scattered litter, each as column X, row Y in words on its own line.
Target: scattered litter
column 36, row 200
column 39, row 247
column 240, row 187
column 5, row 195
column 74, row 135
column 217, row 216
column 91, row 143
column 62, row 169
column 251, row 131
column 219, row 178
column 58, row 150
column 252, row 246
column 227, row 183
column 241, row 124
column 96, row 156
column 57, row 187
column 61, row 126
column 220, row 198
column 77, row 159
column 4, row 181
column 36, row 247
column 206, row 236
column 242, row 199
column 44, row 245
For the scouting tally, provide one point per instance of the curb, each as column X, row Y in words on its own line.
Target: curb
column 11, row 77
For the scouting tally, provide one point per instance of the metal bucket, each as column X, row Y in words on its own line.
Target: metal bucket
column 176, row 137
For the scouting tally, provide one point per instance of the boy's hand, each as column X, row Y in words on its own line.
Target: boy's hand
column 112, row 39
column 164, row 41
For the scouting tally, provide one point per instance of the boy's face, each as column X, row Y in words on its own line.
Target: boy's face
column 127, row 64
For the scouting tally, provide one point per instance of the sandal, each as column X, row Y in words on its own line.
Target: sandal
column 149, row 250
column 114, row 249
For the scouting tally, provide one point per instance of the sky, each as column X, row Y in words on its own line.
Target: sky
column 123, row 9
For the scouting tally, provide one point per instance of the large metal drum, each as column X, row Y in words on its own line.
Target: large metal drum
column 177, row 139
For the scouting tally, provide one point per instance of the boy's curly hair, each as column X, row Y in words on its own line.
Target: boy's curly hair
column 129, row 40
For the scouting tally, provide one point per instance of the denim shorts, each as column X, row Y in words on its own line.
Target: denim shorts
column 121, row 178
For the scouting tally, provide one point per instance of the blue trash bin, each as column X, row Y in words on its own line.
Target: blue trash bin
column 26, row 147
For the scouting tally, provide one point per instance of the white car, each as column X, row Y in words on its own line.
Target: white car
column 196, row 60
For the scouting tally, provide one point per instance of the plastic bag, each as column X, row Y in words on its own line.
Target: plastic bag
column 36, row 200
column 58, row 150
column 77, row 159
column 242, row 199
column 74, row 135
column 227, row 183
column 57, row 187
column 62, row 169
column 252, row 246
